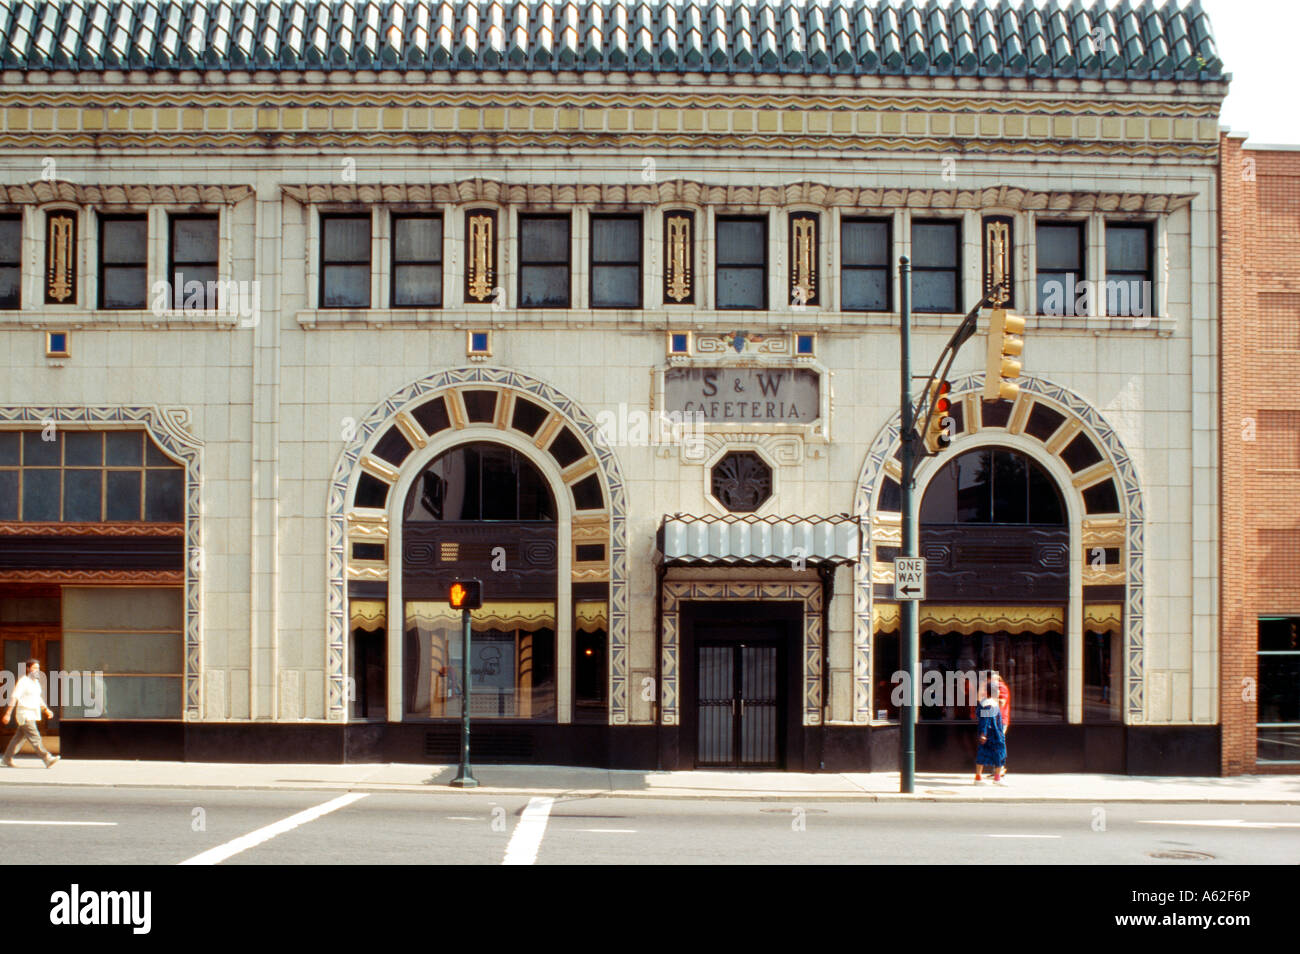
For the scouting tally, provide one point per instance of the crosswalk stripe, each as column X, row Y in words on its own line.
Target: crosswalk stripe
column 528, row 834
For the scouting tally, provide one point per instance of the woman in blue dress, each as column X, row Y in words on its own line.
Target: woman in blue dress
column 992, row 749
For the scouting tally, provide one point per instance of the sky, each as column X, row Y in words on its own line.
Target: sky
column 1257, row 43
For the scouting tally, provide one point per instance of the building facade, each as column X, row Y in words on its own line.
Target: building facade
column 1260, row 200
column 311, row 309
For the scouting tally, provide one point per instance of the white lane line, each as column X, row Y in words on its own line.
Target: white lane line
column 527, row 836
column 1022, row 836
column 220, row 853
column 86, row 824
column 1222, row 823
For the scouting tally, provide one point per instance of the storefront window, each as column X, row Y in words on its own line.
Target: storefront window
column 962, row 645
column 366, row 699
column 512, row 668
column 1278, row 720
column 1103, row 662
column 590, row 661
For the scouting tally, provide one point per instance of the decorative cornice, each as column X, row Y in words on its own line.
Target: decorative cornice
column 700, row 193
column 202, row 93
column 998, row 147
column 72, row 577
column 59, row 191
column 13, row 528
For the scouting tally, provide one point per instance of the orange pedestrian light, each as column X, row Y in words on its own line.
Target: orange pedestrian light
column 465, row 594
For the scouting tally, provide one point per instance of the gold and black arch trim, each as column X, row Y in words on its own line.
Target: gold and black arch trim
column 502, row 408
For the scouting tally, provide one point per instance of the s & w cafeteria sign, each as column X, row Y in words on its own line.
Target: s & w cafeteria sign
column 743, row 395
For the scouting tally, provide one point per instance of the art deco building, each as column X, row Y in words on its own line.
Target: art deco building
column 311, row 308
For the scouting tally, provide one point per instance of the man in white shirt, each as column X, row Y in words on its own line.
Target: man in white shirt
column 30, row 701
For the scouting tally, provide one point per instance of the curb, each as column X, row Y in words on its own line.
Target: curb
column 717, row 796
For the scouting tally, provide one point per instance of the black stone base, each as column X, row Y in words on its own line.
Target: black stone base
column 1112, row 749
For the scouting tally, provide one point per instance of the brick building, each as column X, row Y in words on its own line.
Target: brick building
column 1260, row 340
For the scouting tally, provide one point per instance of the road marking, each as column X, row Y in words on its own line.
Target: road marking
column 220, row 853
column 1221, row 823
column 527, row 836
column 464, row 818
column 87, row 824
column 1022, row 836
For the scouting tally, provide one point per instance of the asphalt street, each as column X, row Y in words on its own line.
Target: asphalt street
column 94, row 826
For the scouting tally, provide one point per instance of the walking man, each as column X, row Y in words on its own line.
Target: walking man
column 30, row 701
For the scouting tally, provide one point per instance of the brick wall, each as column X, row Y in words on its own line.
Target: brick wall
column 1260, row 451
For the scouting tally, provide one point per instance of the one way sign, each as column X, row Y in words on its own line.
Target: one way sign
column 909, row 578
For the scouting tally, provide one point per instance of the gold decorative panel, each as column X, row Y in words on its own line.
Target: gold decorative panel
column 61, row 258
column 481, row 255
column 679, row 256
column 804, row 288
column 999, row 280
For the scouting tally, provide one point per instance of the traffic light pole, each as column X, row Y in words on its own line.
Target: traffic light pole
column 464, row 778
column 907, row 608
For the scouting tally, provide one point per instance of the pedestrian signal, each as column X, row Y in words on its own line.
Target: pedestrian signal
column 465, row 594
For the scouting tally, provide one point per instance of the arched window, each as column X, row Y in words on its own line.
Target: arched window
column 480, row 481
column 481, row 510
column 993, row 485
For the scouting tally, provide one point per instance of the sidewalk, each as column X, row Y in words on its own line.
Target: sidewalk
column 567, row 781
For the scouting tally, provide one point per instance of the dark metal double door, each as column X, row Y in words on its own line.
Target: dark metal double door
column 739, row 704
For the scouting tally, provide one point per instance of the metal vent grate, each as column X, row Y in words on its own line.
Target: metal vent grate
column 505, row 747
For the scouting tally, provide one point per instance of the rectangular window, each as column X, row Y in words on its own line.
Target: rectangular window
column 1278, row 713
column 616, row 261
column 123, row 261
column 345, row 261
column 11, row 261
column 88, row 476
column 544, row 261
column 1128, row 270
column 1061, row 250
column 192, row 257
column 1103, row 662
column 417, row 261
column 936, row 266
column 742, row 263
column 865, row 246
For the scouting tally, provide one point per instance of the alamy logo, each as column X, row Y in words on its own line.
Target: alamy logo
column 230, row 298
column 78, row 688
column 75, row 907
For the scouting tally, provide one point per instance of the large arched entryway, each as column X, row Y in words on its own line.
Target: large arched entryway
column 1032, row 526
column 487, row 473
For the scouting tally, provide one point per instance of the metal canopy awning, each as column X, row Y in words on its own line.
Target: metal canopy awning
column 771, row 541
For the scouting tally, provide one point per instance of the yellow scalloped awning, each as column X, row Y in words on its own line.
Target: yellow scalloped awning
column 975, row 619
column 1099, row 617
column 527, row 616
column 589, row 616
column 369, row 615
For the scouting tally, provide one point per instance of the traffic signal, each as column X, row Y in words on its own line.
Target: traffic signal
column 465, row 594
column 937, row 437
column 1003, row 364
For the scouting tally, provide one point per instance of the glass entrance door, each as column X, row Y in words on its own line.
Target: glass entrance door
column 738, row 699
